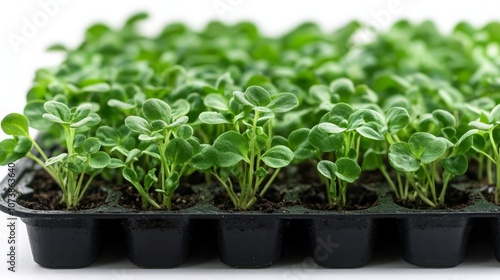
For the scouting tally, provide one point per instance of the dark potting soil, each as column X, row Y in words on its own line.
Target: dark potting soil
column 184, row 197
column 454, row 199
column 47, row 195
column 489, row 194
column 358, row 198
column 272, row 200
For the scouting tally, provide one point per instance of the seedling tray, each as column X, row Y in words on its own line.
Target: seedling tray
column 161, row 239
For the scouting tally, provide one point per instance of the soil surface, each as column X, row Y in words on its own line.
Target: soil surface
column 184, row 197
column 272, row 201
column 489, row 194
column 454, row 200
column 358, row 198
column 47, row 195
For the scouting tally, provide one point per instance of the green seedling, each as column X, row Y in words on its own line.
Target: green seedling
column 246, row 153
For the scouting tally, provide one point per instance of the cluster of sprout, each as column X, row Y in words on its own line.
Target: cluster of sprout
column 415, row 105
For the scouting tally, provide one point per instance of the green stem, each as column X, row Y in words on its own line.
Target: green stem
column 229, row 191
column 383, row 170
column 443, row 191
column 268, row 184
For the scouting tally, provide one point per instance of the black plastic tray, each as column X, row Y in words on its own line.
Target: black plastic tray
column 161, row 239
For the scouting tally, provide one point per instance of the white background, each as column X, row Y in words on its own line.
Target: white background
column 66, row 24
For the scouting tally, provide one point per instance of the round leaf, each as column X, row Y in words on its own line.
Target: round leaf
column 179, row 151
column 397, row 118
column 427, row 147
column 325, row 142
column 232, row 148
column 155, row 109
column 347, row 170
column 455, row 165
column 443, row 118
column 138, row 124
column 16, row 125
column 216, row 101
column 258, row 96
column 213, row 118
column 283, row 102
column 402, row 159
column 278, row 157
column 91, row 145
column 58, row 110
column 185, row 131
column 99, row 160
column 327, row 169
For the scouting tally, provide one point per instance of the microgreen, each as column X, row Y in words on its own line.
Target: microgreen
column 168, row 140
column 246, row 152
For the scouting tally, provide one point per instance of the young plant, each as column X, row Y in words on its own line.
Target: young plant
column 69, row 169
column 486, row 142
column 166, row 138
column 420, row 160
column 338, row 139
column 246, row 153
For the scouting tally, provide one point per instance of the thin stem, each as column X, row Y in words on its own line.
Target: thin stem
column 268, row 184
column 383, row 170
column 229, row 191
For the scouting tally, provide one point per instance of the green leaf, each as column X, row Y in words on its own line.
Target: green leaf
column 116, row 163
column 180, row 108
column 325, row 142
column 81, row 123
column 371, row 131
column 443, row 118
column 150, row 179
column 465, row 142
column 283, row 102
column 495, row 115
column 58, row 110
column 121, row 105
column 155, row 109
column 320, row 93
column 298, row 141
column 427, row 147
column 83, row 111
column 130, row 175
column 133, row 155
column 57, row 159
column 98, row 88
column 11, row 150
column 138, row 124
column 232, row 148
column 91, row 145
column 455, row 165
column 178, row 122
column 339, row 114
column 258, row 96
column 213, row 118
column 330, row 128
column 348, row 170
column 364, row 116
column 34, row 111
column 327, row 169
column 216, row 101
column 205, row 159
column 16, row 125
column 108, row 136
column 480, row 125
column 402, row 159
column 397, row 118
column 179, row 151
column 342, row 86
column 185, row 131
column 99, row 160
column 278, row 157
